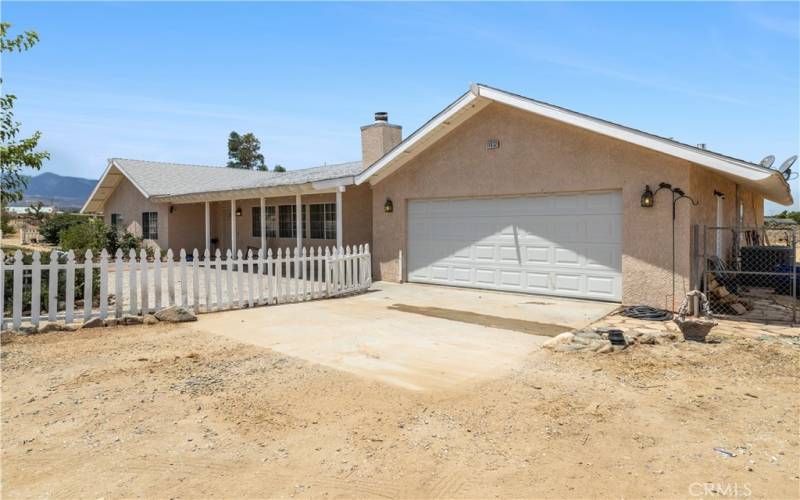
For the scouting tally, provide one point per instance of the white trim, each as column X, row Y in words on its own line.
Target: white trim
column 208, row 225
column 768, row 182
column 435, row 122
column 339, row 216
column 99, row 185
column 333, row 183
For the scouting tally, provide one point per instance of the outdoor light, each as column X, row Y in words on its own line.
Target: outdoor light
column 647, row 197
column 388, row 207
column 238, row 211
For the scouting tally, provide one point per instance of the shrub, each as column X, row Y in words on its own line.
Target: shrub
column 61, row 290
column 95, row 235
column 51, row 228
column 5, row 223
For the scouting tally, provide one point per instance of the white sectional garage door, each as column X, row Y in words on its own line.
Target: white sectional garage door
column 566, row 245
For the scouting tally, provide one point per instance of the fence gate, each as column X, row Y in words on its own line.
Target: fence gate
column 750, row 273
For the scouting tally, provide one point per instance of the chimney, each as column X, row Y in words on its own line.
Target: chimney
column 378, row 138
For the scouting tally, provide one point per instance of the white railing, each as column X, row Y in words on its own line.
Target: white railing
column 143, row 285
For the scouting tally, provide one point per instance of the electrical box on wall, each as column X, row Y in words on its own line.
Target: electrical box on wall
column 493, row 144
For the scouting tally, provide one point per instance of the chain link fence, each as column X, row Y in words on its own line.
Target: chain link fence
column 751, row 273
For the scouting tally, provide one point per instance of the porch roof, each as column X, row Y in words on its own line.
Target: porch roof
column 183, row 183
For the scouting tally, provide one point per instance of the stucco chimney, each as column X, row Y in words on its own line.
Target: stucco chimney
column 378, row 138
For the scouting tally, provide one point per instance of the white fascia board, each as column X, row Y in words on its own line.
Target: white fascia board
column 333, row 183
column 411, row 140
column 705, row 158
column 135, row 184
column 86, row 204
column 242, row 194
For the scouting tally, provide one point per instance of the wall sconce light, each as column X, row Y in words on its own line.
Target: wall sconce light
column 171, row 208
column 388, row 207
column 238, row 211
column 647, row 197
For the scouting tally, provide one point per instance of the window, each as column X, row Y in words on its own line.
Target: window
column 287, row 223
column 271, row 222
column 150, row 225
column 323, row 221
column 116, row 220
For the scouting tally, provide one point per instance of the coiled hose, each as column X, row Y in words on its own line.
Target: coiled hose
column 647, row 313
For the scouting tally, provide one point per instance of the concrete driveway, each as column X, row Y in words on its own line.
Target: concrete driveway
column 419, row 337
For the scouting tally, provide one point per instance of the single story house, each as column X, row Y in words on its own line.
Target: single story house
column 496, row 191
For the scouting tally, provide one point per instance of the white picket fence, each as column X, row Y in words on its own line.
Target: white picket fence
column 141, row 285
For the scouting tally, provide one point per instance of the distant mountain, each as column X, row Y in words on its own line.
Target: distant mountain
column 53, row 189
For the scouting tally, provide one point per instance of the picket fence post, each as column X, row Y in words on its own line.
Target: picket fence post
column 87, row 284
column 229, row 277
column 207, row 275
column 184, row 284
column 70, row 290
column 133, row 305
column 16, row 298
column 157, row 276
column 218, row 280
column 259, row 284
column 119, row 266
column 239, row 280
column 103, row 284
column 52, row 288
column 270, row 280
column 195, row 281
column 145, row 281
column 36, row 288
column 249, row 278
column 170, row 278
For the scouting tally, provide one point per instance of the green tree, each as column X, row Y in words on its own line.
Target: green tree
column 51, row 228
column 278, row 168
column 244, row 151
column 15, row 154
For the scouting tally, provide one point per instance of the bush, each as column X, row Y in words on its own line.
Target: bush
column 94, row 235
column 61, row 290
column 51, row 228
column 5, row 223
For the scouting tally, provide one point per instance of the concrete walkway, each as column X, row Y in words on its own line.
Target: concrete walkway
column 369, row 335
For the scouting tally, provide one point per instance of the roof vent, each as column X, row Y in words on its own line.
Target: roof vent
column 702, row 145
column 382, row 116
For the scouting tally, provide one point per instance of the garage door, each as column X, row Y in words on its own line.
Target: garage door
column 566, row 245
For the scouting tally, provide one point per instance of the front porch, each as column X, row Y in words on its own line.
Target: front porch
column 335, row 218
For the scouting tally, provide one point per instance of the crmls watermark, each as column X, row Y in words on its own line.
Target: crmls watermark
column 720, row 489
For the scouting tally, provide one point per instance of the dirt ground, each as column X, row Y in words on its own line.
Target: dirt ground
column 171, row 412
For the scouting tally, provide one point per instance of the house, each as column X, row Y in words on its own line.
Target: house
column 496, row 191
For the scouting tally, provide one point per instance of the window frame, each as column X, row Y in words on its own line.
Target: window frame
column 148, row 233
column 327, row 222
column 291, row 231
column 255, row 214
column 115, row 220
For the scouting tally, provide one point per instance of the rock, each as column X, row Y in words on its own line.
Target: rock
column 738, row 308
column 28, row 329
column 110, row 322
column 588, row 335
column 150, row 320
column 570, row 347
column 561, row 338
column 93, row 323
column 177, row 314
column 647, row 338
column 605, row 347
column 129, row 319
column 55, row 327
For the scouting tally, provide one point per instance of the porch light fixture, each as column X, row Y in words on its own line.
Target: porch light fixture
column 647, row 197
column 238, row 211
column 388, row 207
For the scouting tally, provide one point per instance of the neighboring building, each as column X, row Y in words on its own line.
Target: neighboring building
column 497, row 191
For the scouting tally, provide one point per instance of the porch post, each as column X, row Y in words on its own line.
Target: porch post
column 233, row 227
column 298, row 216
column 339, row 191
column 263, row 229
column 208, row 226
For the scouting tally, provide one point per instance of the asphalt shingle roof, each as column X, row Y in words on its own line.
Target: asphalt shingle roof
column 169, row 179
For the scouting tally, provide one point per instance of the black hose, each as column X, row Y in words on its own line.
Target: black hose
column 647, row 313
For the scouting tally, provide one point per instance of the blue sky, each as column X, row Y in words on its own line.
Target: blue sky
column 169, row 81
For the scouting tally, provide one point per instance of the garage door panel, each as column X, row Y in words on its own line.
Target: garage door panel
column 567, row 245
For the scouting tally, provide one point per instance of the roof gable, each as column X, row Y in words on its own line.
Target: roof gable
column 768, row 182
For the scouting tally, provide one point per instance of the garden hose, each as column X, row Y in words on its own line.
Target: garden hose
column 647, row 313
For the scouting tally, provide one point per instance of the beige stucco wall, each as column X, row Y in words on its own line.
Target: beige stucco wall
column 356, row 220
column 703, row 184
column 130, row 203
column 540, row 156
